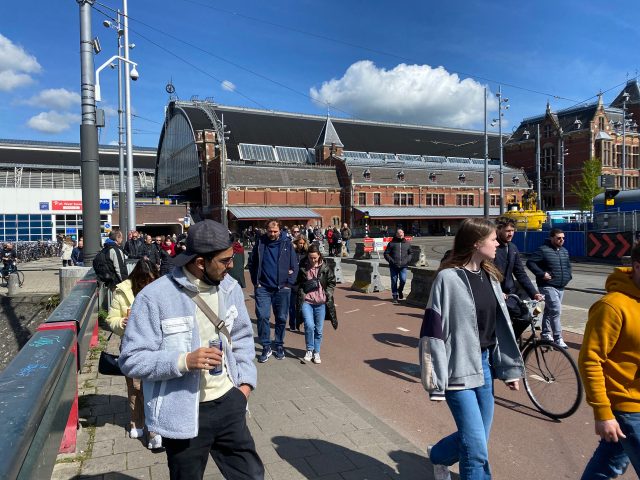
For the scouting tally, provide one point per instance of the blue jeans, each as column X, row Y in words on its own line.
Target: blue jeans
column 552, row 310
column 313, row 324
column 293, row 310
column 397, row 274
column 265, row 299
column 472, row 410
column 612, row 459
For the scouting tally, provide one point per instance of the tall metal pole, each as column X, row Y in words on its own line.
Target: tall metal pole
column 561, row 170
column 122, row 204
column 501, row 152
column 538, row 182
column 625, row 95
column 223, row 171
column 89, row 159
column 487, row 197
column 131, row 194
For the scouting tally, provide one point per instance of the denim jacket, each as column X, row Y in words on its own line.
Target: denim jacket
column 162, row 327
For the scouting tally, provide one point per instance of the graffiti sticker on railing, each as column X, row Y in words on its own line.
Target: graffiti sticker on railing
column 45, row 340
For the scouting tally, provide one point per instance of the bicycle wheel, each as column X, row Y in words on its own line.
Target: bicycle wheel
column 551, row 379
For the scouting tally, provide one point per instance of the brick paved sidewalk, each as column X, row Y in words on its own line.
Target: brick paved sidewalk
column 304, row 428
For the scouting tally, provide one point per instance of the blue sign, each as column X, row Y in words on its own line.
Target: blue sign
column 105, row 204
column 107, row 226
column 44, row 205
column 70, row 231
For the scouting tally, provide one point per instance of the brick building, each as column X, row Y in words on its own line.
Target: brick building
column 312, row 170
column 585, row 131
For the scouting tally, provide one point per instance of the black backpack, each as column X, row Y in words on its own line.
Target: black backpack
column 104, row 268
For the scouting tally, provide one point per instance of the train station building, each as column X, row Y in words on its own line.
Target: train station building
column 242, row 166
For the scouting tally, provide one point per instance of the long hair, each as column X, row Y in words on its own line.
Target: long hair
column 313, row 248
column 142, row 275
column 301, row 245
column 471, row 231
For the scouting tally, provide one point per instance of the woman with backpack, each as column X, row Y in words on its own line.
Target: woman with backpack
column 316, row 283
column 142, row 275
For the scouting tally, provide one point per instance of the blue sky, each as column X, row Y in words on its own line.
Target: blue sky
column 412, row 61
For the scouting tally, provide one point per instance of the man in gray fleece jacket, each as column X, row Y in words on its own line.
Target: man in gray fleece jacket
column 197, row 376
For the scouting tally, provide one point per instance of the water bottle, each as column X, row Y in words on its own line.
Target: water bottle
column 217, row 370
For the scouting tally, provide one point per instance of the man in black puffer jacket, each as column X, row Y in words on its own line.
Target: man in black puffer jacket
column 398, row 254
column 552, row 268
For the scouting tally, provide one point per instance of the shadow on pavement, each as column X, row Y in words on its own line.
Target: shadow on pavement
column 523, row 409
column 321, row 459
column 396, row 340
column 415, row 315
column 396, row 368
column 369, row 297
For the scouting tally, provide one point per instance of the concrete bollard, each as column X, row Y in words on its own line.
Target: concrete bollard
column 360, row 253
column 12, row 285
column 336, row 264
column 367, row 277
column 69, row 276
column 418, row 257
column 422, row 279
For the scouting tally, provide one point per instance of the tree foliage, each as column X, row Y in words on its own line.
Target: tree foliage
column 587, row 187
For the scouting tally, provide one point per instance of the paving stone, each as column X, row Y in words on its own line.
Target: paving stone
column 324, row 464
column 295, row 449
column 283, row 470
column 65, row 471
column 102, row 465
column 102, row 448
column 145, row 458
column 126, row 444
column 159, row 472
column 268, row 454
column 372, row 473
column 301, row 431
column 138, row 473
column 333, row 426
column 366, row 437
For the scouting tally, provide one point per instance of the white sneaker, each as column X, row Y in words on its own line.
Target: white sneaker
column 560, row 342
column 316, row 358
column 308, row 355
column 155, row 442
column 440, row 472
column 546, row 336
column 136, row 433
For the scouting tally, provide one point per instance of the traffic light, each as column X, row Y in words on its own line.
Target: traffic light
column 366, row 215
column 609, row 197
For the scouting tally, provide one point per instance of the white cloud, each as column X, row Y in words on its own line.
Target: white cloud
column 113, row 142
column 53, row 122
column 16, row 65
column 110, row 111
column 407, row 93
column 55, row 98
column 228, row 86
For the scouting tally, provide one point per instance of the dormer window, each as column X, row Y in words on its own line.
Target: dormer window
column 367, row 175
column 526, row 134
column 577, row 124
column 490, row 179
column 515, row 180
column 462, row 178
column 400, row 176
column 432, row 177
column 547, row 131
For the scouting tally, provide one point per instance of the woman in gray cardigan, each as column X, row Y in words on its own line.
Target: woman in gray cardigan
column 466, row 341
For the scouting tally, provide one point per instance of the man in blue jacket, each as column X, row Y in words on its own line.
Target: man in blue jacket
column 551, row 265
column 197, row 374
column 273, row 267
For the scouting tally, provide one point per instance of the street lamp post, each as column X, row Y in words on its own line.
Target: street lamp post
column 131, row 194
column 625, row 96
column 487, row 197
column 501, row 101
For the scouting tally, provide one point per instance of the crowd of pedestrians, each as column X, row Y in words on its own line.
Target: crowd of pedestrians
column 187, row 336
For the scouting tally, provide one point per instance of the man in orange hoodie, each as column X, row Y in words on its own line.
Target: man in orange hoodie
column 610, row 368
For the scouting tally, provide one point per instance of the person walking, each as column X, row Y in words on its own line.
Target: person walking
column 77, row 255
column 509, row 262
column 142, row 275
column 237, row 271
column 134, row 248
column 190, row 340
column 273, row 270
column 67, row 250
column 398, row 254
column 346, row 236
column 316, row 282
column 330, row 243
column 466, row 339
column 609, row 363
column 300, row 247
column 551, row 265
column 117, row 257
column 150, row 251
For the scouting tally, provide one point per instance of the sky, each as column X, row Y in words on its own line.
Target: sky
column 413, row 61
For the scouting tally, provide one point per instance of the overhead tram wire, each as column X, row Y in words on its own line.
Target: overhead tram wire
column 230, row 62
column 179, row 57
column 147, row 119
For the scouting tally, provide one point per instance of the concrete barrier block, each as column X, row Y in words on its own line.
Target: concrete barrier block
column 422, row 279
column 69, row 276
column 418, row 257
column 12, row 285
column 336, row 264
column 360, row 253
column 367, row 277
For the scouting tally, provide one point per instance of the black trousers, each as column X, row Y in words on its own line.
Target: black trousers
column 223, row 433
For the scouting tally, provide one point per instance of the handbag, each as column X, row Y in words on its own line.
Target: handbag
column 108, row 363
column 311, row 285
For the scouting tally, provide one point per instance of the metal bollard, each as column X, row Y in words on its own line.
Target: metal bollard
column 336, row 264
column 12, row 285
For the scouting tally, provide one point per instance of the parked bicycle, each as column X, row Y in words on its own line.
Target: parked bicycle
column 551, row 380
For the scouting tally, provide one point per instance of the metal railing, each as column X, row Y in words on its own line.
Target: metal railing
column 39, row 388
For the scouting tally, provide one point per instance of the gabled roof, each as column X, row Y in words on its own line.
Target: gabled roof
column 328, row 136
column 262, row 127
column 633, row 89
